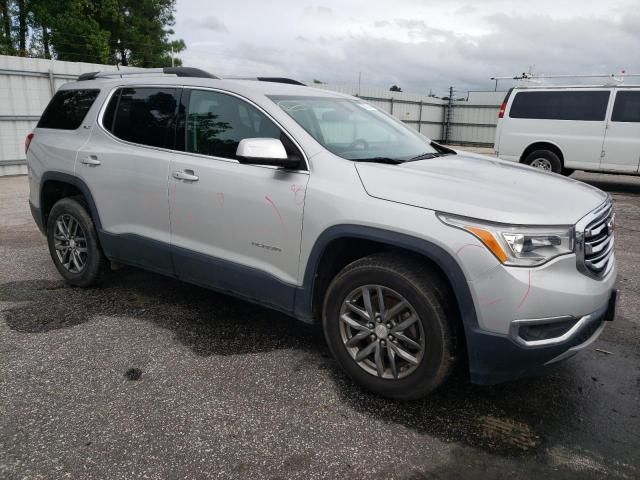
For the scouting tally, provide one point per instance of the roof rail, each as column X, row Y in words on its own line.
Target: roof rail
column 290, row 81
column 177, row 71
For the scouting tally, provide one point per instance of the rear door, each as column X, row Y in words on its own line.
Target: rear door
column 234, row 227
column 621, row 150
column 125, row 165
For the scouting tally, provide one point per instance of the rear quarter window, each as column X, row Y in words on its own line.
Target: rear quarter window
column 67, row 109
column 570, row 105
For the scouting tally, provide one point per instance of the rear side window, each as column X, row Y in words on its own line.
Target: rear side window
column 67, row 109
column 576, row 105
column 627, row 107
column 142, row 115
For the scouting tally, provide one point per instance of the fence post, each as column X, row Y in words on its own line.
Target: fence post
column 52, row 83
column 391, row 112
column 420, row 117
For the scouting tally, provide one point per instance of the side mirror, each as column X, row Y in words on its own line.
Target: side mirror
column 264, row 151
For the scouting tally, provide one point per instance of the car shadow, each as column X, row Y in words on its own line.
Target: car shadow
column 207, row 322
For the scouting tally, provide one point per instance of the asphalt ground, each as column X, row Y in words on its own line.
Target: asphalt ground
column 147, row 377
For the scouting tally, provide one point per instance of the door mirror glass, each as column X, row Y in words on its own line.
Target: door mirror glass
column 264, row 151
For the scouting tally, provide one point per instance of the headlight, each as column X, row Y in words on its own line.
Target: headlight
column 517, row 245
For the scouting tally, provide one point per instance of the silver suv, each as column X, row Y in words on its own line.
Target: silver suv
column 413, row 256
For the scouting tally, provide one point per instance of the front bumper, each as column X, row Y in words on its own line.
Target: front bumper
column 496, row 358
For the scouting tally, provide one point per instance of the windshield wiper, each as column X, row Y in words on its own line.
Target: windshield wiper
column 391, row 161
column 424, row 156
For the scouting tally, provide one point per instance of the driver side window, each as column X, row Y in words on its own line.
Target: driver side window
column 216, row 122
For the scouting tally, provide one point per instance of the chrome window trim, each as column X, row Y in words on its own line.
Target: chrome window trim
column 105, row 103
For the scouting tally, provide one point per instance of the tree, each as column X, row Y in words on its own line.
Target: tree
column 129, row 32
column 6, row 39
column 395, row 88
column 139, row 32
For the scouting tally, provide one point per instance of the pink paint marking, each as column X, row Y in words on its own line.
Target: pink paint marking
column 266, row 197
column 220, row 196
column 526, row 294
column 468, row 245
column 487, row 303
column 296, row 189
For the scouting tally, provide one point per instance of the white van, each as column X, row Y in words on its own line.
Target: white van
column 563, row 129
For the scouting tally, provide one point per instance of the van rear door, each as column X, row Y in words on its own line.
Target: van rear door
column 621, row 148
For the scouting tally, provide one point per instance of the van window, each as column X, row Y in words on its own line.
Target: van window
column 574, row 105
column 67, row 109
column 142, row 115
column 216, row 123
column 627, row 107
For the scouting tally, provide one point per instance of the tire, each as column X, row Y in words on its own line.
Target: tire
column 410, row 279
column 544, row 160
column 567, row 171
column 83, row 239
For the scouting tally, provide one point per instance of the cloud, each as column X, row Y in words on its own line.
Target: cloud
column 421, row 45
column 208, row 23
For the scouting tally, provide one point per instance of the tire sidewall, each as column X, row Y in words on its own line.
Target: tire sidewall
column 429, row 373
column 91, row 272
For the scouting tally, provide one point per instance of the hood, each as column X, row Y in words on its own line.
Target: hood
column 482, row 187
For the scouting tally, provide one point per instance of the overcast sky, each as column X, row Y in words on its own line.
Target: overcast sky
column 416, row 44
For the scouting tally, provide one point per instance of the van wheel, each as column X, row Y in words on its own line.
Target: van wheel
column 544, row 160
column 387, row 320
column 73, row 243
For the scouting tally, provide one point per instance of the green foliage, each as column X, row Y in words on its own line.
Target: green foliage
column 129, row 32
column 395, row 88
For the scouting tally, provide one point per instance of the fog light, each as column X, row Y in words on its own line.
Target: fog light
column 545, row 331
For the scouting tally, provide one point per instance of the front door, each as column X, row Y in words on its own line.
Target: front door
column 234, row 227
column 621, row 149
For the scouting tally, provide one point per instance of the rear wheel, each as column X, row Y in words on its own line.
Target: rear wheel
column 387, row 322
column 544, row 160
column 73, row 243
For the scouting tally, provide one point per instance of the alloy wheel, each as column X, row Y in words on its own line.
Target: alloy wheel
column 382, row 332
column 70, row 243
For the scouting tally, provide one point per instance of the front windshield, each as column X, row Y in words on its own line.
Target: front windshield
column 353, row 129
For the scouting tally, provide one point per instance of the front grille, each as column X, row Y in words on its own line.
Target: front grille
column 595, row 241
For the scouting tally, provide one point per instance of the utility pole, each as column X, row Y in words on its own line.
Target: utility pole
column 359, row 79
column 172, row 59
column 448, row 117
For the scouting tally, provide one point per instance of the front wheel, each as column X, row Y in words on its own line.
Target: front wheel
column 73, row 243
column 388, row 324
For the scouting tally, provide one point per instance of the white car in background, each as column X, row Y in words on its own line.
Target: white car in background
column 563, row 129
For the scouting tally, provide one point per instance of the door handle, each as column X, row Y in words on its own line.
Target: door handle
column 91, row 160
column 186, row 175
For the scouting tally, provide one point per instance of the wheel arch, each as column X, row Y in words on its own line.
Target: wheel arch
column 57, row 185
column 542, row 145
column 309, row 297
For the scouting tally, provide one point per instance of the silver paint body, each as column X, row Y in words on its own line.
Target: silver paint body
column 269, row 218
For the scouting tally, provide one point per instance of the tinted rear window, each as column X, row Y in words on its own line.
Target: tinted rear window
column 67, row 109
column 627, row 107
column 576, row 105
column 142, row 115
